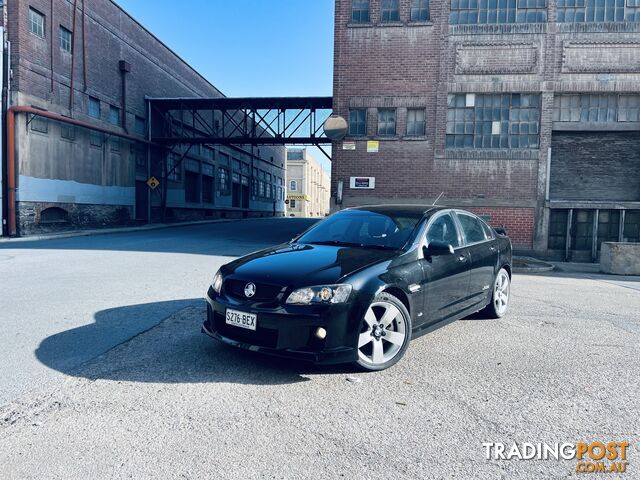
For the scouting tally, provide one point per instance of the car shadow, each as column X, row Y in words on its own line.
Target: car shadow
column 169, row 350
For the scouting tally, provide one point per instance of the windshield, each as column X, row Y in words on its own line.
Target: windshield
column 362, row 228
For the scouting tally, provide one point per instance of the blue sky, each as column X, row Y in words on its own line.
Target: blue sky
column 248, row 47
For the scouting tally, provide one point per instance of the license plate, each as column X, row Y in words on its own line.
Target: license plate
column 242, row 319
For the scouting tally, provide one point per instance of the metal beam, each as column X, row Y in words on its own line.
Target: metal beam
column 241, row 121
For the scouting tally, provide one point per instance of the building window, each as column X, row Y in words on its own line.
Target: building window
column 94, row 107
column 141, row 158
column 483, row 12
column 420, row 10
column 558, row 229
column 65, row 39
column 293, row 186
column 586, row 108
column 416, row 124
column 95, row 139
column 174, row 168
column 390, row 11
column 115, row 145
column 191, row 187
column 358, row 122
column 360, row 11
column 386, row 121
column 39, row 124
column 114, row 115
column 582, row 11
column 36, row 22
column 292, row 203
column 207, row 189
column 223, row 181
column 510, row 120
column 631, row 232
column 140, row 126
column 68, row 132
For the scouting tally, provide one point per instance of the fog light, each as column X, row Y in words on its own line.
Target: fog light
column 321, row 333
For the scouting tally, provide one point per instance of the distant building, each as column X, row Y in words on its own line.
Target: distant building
column 525, row 112
column 89, row 67
column 307, row 185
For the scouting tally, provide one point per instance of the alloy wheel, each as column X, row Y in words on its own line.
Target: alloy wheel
column 501, row 292
column 384, row 332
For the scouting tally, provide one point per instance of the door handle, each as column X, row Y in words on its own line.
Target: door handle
column 462, row 258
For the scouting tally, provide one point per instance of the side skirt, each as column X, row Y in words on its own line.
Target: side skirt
column 443, row 323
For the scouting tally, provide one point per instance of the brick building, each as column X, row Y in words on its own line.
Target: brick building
column 91, row 63
column 525, row 112
column 307, row 185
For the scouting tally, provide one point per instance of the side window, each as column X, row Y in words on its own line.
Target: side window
column 472, row 228
column 487, row 231
column 443, row 229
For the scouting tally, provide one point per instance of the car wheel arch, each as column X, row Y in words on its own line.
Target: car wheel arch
column 507, row 268
column 399, row 294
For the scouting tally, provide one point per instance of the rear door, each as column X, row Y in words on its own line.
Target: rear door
column 483, row 251
column 446, row 276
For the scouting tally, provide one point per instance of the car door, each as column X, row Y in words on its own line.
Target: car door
column 483, row 252
column 446, row 276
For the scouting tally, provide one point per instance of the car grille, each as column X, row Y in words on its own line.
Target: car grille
column 264, row 292
column 261, row 337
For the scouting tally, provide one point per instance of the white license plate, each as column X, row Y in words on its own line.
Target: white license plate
column 242, row 319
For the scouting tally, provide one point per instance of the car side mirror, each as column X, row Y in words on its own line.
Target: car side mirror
column 436, row 249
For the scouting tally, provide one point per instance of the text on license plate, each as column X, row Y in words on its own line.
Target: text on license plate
column 242, row 319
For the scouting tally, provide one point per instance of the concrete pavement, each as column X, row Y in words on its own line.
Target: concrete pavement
column 118, row 284
column 171, row 403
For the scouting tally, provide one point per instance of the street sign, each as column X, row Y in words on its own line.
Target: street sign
column 153, row 183
column 298, row 196
column 367, row 183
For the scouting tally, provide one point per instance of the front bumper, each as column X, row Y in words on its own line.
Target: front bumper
column 289, row 331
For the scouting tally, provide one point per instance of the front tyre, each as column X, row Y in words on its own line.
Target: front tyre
column 385, row 333
column 499, row 304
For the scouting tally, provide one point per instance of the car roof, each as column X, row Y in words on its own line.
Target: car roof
column 411, row 209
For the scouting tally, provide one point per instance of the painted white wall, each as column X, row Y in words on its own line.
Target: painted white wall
column 31, row 189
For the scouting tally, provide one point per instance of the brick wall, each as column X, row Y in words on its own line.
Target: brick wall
column 517, row 221
column 406, row 65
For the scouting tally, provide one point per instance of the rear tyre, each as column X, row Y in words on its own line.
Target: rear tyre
column 385, row 333
column 500, row 297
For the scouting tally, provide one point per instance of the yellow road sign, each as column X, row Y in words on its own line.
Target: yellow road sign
column 297, row 196
column 153, row 183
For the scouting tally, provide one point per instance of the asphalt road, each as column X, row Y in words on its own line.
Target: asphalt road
column 115, row 285
column 170, row 403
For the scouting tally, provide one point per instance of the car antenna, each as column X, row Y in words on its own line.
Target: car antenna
column 436, row 200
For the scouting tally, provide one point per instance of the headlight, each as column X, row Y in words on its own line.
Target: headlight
column 216, row 284
column 321, row 294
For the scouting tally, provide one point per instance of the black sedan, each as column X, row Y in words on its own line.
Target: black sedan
column 359, row 285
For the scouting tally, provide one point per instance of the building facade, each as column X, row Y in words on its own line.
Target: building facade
column 90, row 67
column 307, row 185
column 527, row 113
